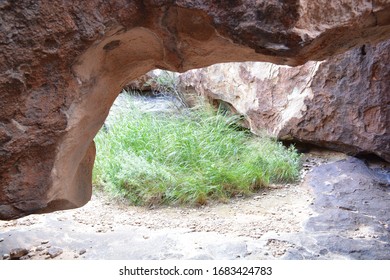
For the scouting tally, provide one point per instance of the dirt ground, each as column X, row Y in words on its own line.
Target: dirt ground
column 79, row 233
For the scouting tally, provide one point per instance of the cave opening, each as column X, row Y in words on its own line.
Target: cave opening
column 161, row 145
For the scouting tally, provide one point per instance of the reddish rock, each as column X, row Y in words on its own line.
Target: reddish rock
column 17, row 253
column 63, row 63
column 341, row 103
column 350, row 107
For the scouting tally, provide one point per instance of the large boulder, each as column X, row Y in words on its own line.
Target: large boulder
column 341, row 103
column 62, row 64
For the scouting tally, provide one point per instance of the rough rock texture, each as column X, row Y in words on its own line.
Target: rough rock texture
column 62, row 63
column 352, row 220
column 342, row 103
column 17, row 253
column 145, row 83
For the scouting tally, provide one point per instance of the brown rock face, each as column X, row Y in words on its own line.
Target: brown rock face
column 341, row 103
column 62, row 63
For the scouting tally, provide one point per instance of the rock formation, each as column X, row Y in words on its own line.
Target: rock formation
column 341, row 103
column 62, row 63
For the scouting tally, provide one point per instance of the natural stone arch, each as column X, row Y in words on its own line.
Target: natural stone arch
column 62, row 67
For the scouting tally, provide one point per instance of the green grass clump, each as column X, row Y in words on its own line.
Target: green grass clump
column 154, row 158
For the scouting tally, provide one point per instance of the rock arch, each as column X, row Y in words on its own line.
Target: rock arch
column 62, row 65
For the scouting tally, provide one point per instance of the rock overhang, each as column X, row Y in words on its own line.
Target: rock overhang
column 62, row 67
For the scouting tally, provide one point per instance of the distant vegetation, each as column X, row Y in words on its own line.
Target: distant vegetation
column 191, row 158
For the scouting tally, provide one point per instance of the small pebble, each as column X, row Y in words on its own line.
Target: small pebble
column 82, row 251
column 39, row 248
column 44, row 241
column 1, row 239
column 54, row 252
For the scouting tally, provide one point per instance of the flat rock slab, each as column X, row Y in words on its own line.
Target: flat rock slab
column 352, row 202
column 134, row 243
